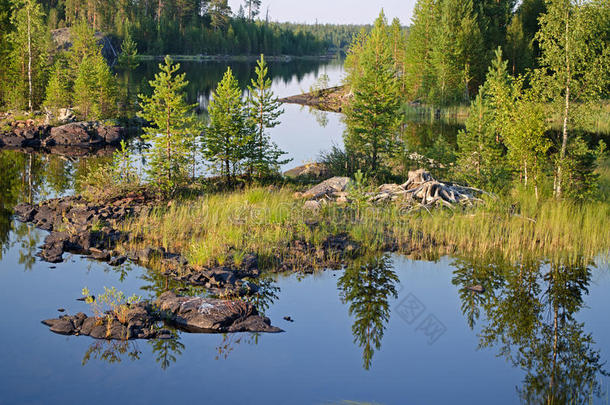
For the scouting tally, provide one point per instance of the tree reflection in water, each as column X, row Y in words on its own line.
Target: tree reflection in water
column 167, row 351
column 367, row 286
column 112, row 351
column 530, row 313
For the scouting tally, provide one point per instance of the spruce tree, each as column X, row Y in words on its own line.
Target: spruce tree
column 173, row 128
column 372, row 114
column 228, row 134
column 264, row 110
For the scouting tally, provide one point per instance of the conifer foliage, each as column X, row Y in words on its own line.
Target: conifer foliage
column 264, row 110
column 227, row 135
column 173, row 128
column 372, row 114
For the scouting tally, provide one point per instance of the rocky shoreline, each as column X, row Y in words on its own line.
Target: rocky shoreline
column 92, row 229
column 69, row 138
column 332, row 99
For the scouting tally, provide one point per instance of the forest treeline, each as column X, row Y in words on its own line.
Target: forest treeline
column 35, row 71
column 464, row 50
column 452, row 42
column 162, row 27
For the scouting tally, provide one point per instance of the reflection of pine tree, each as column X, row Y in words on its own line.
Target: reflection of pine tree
column 29, row 239
column 22, row 180
column 266, row 294
column 367, row 286
column 471, row 272
column 167, row 350
column 531, row 319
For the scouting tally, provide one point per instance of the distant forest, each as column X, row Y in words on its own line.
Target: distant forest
column 195, row 26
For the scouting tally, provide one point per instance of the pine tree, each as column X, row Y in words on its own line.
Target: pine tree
column 480, row 156
column 128, row 58
column 418, row 52
column 399, row 43
column 84, row 43
column 372, row 114
column 173, row 129
column 220, row 12
column 253, row 8
column 95, row 90
column 457, row 52
column 227, row 135
column 264, row 111
column 30, row 42
column 107, row 91
column 59, row 88
column 85, row 89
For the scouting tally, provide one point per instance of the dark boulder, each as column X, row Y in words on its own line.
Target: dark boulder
column 198, row 314
column 54, row 246
column 111, row 135
column 62, row 326
column 25, row 212
column 74, row 134
column 117, row 261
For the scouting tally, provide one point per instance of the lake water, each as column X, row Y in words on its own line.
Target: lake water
column 387, row 330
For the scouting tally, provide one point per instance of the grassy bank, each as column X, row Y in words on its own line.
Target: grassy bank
column 225, row 227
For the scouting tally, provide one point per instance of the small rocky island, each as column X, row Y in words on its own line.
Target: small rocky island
column 146, row 320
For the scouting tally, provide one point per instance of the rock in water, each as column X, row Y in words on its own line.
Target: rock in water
column 476, row 288
column 141, row 320
column 213, row 315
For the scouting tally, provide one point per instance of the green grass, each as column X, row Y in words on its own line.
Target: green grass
column 220, row 228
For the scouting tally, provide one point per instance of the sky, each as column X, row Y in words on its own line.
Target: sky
column 334, row 11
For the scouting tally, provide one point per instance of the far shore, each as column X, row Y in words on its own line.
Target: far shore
column 237, row 58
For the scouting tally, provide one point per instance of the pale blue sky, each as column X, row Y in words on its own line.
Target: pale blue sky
column 334, row 11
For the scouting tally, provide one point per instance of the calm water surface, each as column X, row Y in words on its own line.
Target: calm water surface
column 386, row 330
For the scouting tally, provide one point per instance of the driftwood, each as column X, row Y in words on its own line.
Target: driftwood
column 421, row 188
column 420, row 191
